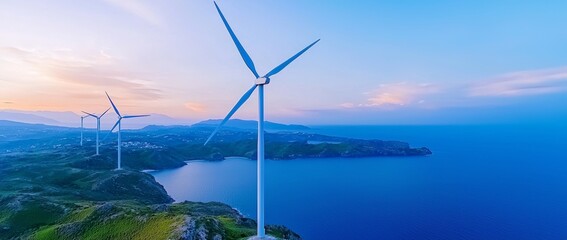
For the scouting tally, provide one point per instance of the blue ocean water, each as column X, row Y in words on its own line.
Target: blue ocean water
column 482, row 182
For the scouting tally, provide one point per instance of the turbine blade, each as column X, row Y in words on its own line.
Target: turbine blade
column 232, row 111
column 113, row 106
column 104, row 113
column 284, row 64
column 116, row 124
column 241, row 50
column 89, row 114
column 135, row 116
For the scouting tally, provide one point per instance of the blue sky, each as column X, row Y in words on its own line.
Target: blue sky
column 379, row 62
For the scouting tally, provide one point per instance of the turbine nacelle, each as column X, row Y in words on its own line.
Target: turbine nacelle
column 262, row 81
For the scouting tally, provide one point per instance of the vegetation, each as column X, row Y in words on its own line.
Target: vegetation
column 47, row 195
column 53, row 189
column 158, row 147
column 302, row 149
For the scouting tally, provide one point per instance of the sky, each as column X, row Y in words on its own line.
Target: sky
column 378, row 62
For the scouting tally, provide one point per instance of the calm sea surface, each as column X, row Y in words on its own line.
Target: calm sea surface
column 482, row 182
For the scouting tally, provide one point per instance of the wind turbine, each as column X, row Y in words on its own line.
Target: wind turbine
column 82, row 118
column 259, row 83
column 97, row 125
column 119, row 124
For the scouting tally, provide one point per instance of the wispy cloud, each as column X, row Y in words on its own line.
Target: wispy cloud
column 195, row 107
column 96, row 70
column 401, row 94
column 523, row 83
column 427, row 95
column 396, row 94
column 138, row 9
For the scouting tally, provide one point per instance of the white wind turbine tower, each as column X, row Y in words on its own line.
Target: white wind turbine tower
column 97, row 126
column 259, row 83
column 82, row 128
column 119, row 124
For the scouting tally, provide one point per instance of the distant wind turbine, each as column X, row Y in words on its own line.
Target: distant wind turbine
column 259, row 82
column 97, row 126
column 119, row 124
column 82, row 128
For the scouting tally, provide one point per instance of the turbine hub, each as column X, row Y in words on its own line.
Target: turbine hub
column 262, row 81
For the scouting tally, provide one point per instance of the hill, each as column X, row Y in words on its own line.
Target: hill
column 162, row 147
column 251, row 125
column 25, row 117
column 46, row 195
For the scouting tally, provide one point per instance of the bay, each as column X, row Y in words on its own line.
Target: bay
column 482, row 182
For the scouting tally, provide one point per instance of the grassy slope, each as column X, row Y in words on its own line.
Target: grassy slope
column 132, row 221
column 46, row 195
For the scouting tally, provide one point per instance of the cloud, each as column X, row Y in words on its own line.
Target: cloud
column 347, row 105
column 195, row 107
column 138, row 9
column 522, row 83
column 106, row 55
column 399, row 94
column 395, row 95
column 427, row 95
column 448, row 102
column 99, row 70
column 17, row 50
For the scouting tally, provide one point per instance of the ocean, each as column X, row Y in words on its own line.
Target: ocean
column 481, row 182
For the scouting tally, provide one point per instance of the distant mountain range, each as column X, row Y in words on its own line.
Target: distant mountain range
column 251, row 124
column 154, row 122
column 8, row 123
column 24, row 117
column 71, row 119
